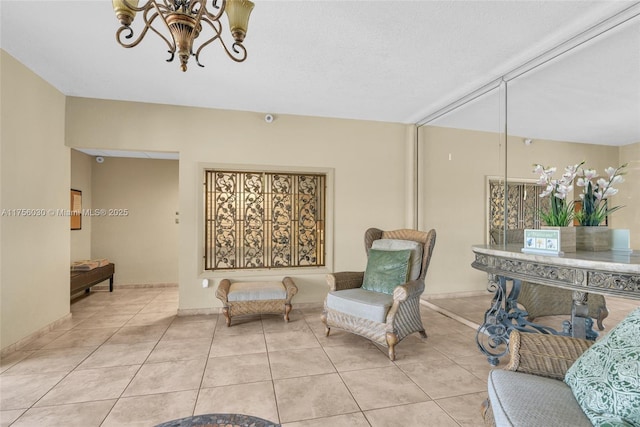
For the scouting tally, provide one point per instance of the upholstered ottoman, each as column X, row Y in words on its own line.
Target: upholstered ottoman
column 256, row 297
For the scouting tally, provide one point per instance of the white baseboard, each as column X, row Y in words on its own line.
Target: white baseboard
column 136, row 286
column 199, row 311
column 450, row 314
column 218, row 310
column 34, row 336
column 464, row 294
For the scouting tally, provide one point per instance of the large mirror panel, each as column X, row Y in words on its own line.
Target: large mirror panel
column 456, row 152
column 477, row 182
column 582, row 106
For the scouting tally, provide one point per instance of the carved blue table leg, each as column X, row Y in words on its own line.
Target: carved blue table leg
column 504, row 315
column 492, row 336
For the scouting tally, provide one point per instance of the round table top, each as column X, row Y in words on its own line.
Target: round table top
column 220, row 420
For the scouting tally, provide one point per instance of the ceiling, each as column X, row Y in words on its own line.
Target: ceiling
column 392, row 61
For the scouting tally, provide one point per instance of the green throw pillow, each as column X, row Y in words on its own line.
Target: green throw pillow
column 605, row 379
column 386, row 270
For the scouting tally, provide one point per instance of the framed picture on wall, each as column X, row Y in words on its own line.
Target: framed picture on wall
column 76, row 209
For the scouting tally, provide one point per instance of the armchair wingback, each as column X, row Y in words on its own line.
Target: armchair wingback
column 383, row 317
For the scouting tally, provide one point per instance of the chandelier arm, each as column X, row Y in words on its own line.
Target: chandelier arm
column 172, row 45
column 201, row 11
column 197, row 54
column 148, row 25
column 220, row 9
column 162, row 9
column 166, row 4
column 238, row 48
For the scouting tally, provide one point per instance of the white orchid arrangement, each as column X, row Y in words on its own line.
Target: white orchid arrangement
column 596, row 191
column 560, row 213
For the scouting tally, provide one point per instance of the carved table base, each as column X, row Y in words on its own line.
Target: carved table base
column 605, row 273
column 504, row 315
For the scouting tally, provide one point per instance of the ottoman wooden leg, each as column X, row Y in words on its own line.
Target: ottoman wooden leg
column 225, row 311
column 287, row 310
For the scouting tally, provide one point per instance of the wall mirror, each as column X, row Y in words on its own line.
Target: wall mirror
column 583, row 105
column 456, row 151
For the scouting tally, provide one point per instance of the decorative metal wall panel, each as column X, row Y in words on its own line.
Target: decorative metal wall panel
column 523, row 204
column 253, row 220
column 308, row 216
column 263, row 220
column 496, row 205
column 281, row 226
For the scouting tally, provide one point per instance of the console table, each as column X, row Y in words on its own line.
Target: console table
column 606, row 273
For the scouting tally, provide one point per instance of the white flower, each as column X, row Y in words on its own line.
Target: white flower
column 609, row 192
column 610, row 171
column 589, row 174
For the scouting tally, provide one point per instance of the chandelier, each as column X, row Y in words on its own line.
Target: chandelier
column 185, row 20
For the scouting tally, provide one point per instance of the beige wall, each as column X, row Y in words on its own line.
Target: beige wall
column 629, row 195
column 453, row 202
column 143, row 241
column 367, row 160
column 453, row 193
column 81, row 165
column 35, row 252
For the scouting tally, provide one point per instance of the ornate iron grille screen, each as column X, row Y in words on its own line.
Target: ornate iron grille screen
column 523, row 205
column 263, row 220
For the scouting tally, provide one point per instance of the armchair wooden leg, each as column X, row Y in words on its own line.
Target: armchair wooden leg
column 327, row 329
column 225, row 311
column 392, row 340
column 423, row 334
column 487, row 413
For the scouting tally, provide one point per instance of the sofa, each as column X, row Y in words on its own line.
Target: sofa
column 556, row 380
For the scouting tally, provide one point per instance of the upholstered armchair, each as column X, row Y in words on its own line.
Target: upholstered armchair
column 555, row 380
column 383, row 302
column 537, row 366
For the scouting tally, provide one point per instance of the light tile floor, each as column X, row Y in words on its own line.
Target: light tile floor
column 126, row 359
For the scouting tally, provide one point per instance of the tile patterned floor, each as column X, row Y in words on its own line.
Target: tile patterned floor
column 126, row 359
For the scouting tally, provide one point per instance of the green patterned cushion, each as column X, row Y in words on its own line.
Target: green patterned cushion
column 415, row 260
column 606, row 378
column 386, row 270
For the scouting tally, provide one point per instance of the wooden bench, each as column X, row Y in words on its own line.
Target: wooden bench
column 84, row 280
column 241, row 298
